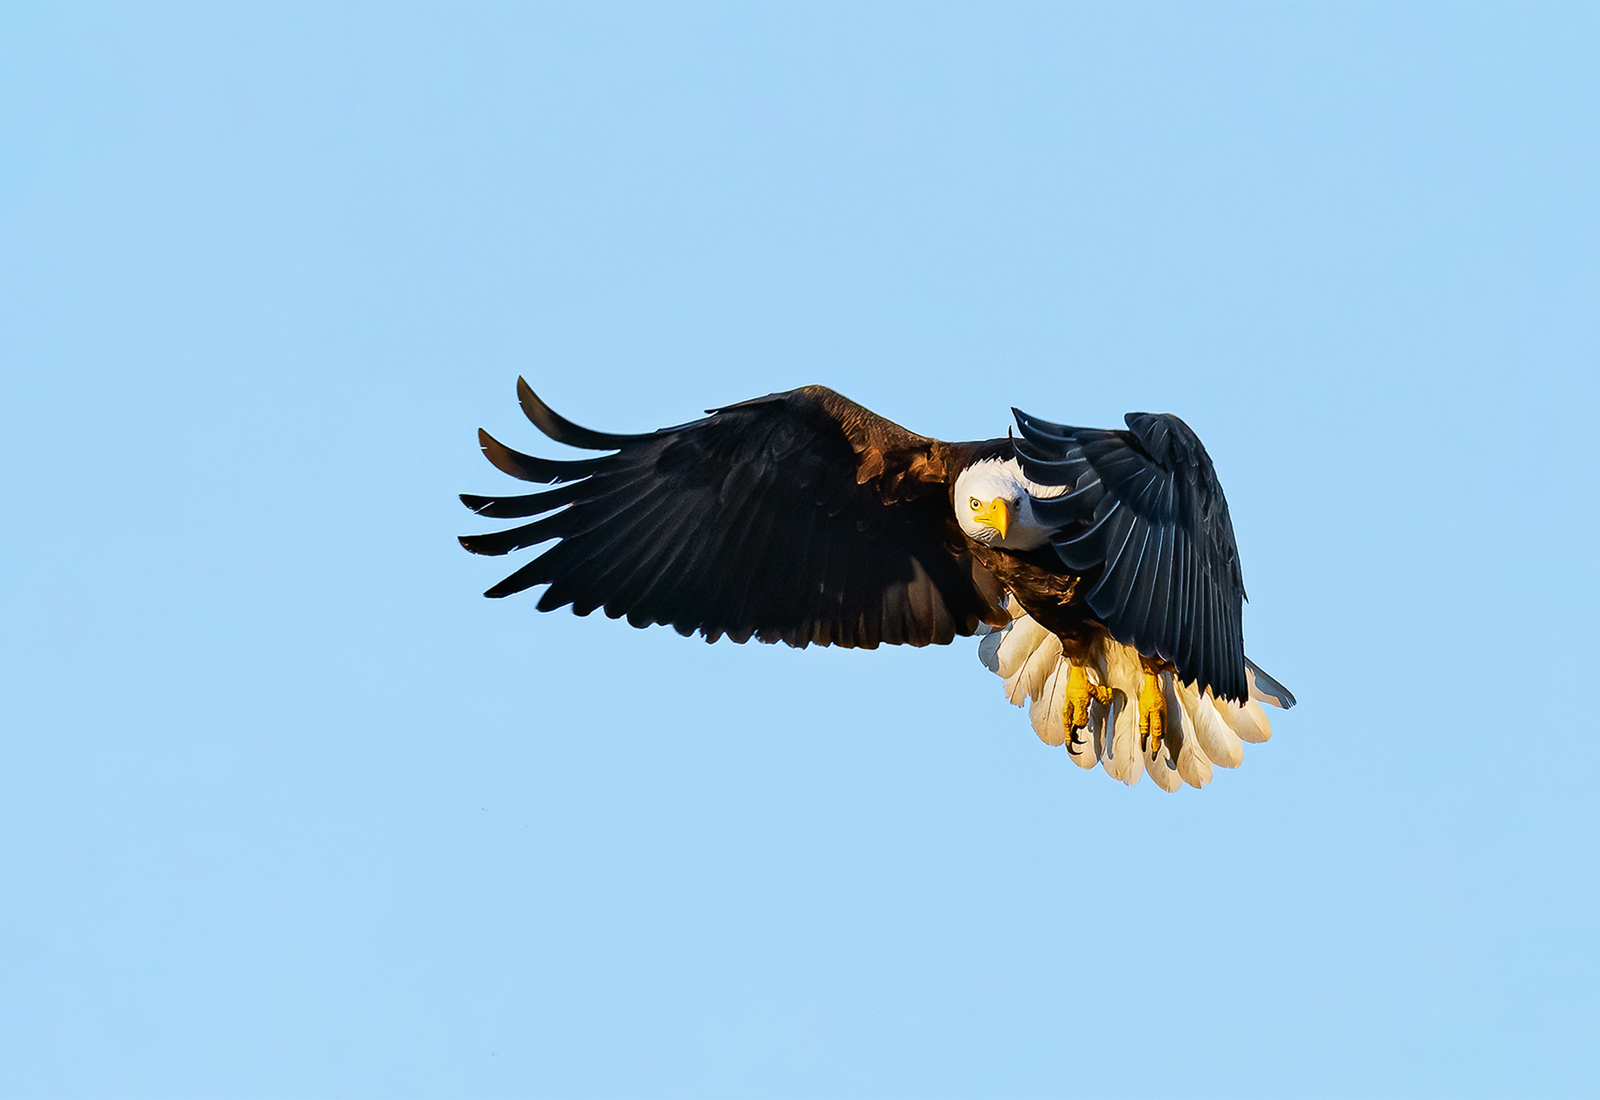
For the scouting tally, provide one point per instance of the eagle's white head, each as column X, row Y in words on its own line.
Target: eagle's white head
column 994, row 505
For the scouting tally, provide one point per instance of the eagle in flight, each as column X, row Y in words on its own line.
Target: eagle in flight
column 1099, row 566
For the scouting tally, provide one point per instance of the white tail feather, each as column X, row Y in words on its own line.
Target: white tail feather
column 1259, row 716
column 1220, row 743
column 1202, row 731
column 1029, row 679
column 1122, row 759
column 1021, row 639
column 1162, row 769
column 1193, row 763
column 1250, row 725
column 1118, row 668
column 1045, row 713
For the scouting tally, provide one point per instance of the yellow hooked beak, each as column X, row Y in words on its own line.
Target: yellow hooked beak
column 996, row 514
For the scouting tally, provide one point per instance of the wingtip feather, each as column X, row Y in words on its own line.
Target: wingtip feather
column 1265, row 689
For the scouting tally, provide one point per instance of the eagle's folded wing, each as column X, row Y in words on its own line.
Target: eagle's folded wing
column 1146, row 522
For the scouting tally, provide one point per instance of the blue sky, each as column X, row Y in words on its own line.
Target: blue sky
column 287, row 809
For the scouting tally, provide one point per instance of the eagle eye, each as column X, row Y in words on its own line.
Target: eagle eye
column 974, row 502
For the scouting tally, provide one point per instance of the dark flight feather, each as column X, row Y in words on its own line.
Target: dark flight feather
column 798, row 517
column 1148, row 513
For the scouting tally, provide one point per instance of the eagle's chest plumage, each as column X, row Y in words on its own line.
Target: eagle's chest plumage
column 1046, row 590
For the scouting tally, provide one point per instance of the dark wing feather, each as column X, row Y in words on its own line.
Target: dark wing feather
column 1147, row 522
column 562, row 430
column 800, row 517
column 532, row 504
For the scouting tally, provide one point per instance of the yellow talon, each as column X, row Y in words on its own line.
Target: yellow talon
column 1075, row 714
column 1152, row 714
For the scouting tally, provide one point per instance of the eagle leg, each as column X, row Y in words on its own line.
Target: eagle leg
column 1075, row 714
column 1152, row 713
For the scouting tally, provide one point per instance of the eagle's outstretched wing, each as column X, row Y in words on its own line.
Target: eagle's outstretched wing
column 798, row 517
column 1147, row 524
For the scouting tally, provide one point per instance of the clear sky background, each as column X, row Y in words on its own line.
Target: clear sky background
column 287, row 809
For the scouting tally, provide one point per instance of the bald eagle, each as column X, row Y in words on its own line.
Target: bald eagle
column 1099, row 566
